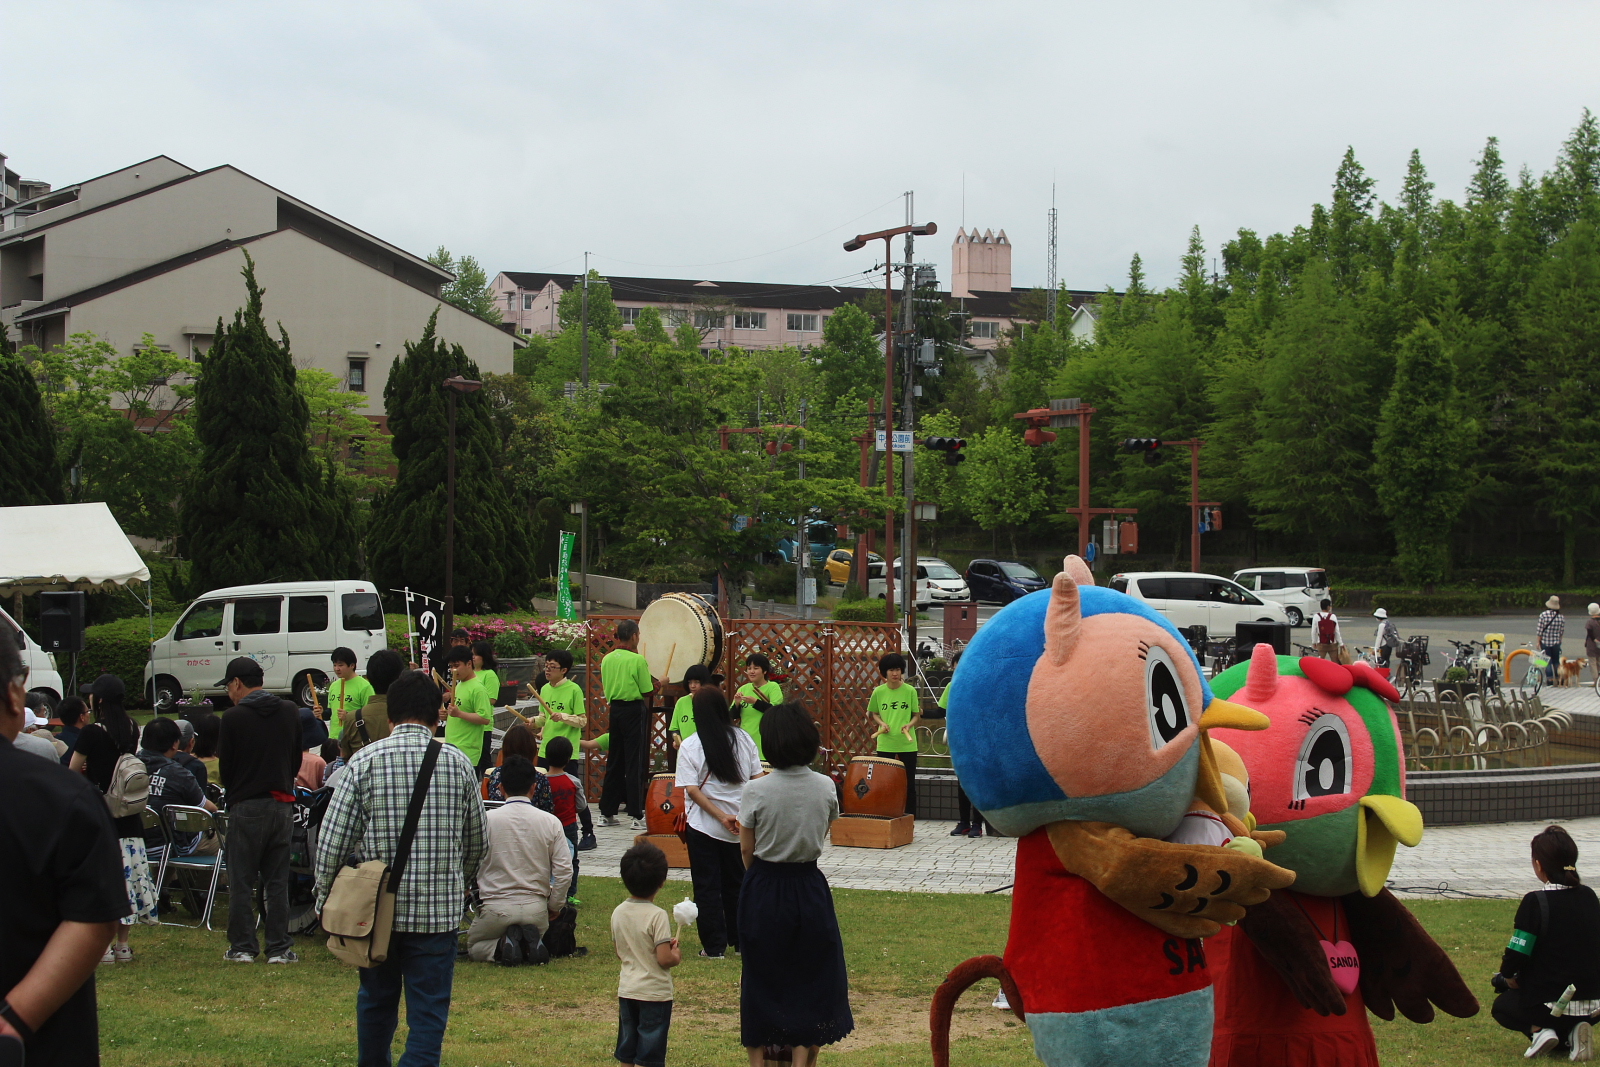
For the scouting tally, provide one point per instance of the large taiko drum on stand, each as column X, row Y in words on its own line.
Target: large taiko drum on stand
column 875, row 786
column 677, row 631
column 662, row 803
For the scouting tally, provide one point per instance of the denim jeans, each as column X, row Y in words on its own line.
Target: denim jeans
column 1552, row 654
column 258, row 850
column 425, row 966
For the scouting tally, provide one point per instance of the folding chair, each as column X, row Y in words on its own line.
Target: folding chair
column 183, row 819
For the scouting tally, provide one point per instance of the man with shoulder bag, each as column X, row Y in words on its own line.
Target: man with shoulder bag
column 409, row 810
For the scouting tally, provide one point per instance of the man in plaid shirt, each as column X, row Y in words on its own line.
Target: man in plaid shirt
column 365, row 818
column 1552, row 628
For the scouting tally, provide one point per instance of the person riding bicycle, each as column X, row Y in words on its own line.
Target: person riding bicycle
column 1325, row 632
column 1387, row 638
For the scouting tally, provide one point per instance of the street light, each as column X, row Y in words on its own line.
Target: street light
column 855, row 244
column 580, row 508
column 455, row 384
column 924, row 511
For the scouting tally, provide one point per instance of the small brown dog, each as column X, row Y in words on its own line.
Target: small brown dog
column 1570, row 670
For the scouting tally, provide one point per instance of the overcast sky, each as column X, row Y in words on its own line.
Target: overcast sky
column 749, row 140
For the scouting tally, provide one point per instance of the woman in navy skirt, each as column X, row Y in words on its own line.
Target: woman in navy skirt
column 795, row 991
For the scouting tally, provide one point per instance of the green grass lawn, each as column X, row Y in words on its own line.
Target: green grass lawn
column 179, row 1003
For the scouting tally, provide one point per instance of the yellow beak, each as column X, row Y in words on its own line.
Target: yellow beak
column 1385, row 821
column 1221, row 713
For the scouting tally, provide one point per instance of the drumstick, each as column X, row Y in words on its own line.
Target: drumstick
column 666, row 672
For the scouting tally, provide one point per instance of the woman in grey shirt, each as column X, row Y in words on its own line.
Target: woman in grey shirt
column 795, row 991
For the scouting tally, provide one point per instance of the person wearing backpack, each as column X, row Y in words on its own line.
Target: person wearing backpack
column 105, row 755
column 1325, row 629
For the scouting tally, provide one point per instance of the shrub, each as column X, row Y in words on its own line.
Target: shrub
column 860, row 611
column 121, row 648
column 511, row 645
column 1415, row 604
column 852, row 593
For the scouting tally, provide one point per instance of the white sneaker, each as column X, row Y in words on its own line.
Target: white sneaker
column 1001, row 1002
column 1541, row 1041
column 1582, row 1042
column 610, row 820
column 639, row 824
column 234, row 956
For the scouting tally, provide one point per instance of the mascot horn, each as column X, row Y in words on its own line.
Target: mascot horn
column 1077, row 722
column 1296, row 977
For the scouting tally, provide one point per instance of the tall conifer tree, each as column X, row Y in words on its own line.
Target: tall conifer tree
column 260, row 509
column 405, row 545
column 32, row 471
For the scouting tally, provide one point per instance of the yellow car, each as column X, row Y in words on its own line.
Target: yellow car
column 838, row 565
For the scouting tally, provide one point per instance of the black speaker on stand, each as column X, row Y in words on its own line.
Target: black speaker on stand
column 61, row 627
column 1250, row 634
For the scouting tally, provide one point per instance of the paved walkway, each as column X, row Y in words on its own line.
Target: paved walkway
column 1451, row 861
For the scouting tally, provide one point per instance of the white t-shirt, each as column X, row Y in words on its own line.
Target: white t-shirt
column 692, row 771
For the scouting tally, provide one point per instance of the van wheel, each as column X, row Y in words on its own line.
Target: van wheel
column 1296, row 616
column 300, row 692
column 164, row 694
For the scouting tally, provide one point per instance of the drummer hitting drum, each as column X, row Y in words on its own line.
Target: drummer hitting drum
column 895, row 712
column 625, row 677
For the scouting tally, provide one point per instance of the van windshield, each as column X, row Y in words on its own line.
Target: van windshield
column 362, row 611
column 1317, row 579
column 1019, row 570
column 941, row 572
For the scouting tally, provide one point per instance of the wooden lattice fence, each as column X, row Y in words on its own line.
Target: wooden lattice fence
column 829, row 667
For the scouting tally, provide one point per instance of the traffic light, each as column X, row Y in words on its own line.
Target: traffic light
column 1150, row 446
column 950, row 446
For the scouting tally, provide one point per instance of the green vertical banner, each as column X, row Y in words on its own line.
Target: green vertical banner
column 564, row 578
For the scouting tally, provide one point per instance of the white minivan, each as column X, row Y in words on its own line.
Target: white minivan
column 1301, row 590
column 876, row 585
column 1189, row 599
column 290, row 628
column 41, row 666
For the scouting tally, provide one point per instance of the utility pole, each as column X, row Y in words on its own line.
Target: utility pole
column 805, row 585
column 908, row 542
column 585, row 316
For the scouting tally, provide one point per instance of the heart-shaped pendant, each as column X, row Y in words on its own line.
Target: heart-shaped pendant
column 1345, row 965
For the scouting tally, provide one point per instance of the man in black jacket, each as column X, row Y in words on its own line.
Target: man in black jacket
column 258, row 755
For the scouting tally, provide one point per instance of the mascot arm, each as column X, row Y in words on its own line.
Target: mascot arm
column 1185, row 890
column 1291, row 945
column 1264, row 838
column 1401, row 966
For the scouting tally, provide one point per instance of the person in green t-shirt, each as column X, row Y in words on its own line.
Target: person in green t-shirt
column 565, row 714
column 895, row 712
column 625, row 678
column 469, row 707
column 487, row 669
column 756, row 695
column 681, row 727
column 349, row 692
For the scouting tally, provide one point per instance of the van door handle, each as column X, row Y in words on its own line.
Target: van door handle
column 236, row 646
column 219, row 644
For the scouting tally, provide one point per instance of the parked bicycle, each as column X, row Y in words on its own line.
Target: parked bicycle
column 1411, row 658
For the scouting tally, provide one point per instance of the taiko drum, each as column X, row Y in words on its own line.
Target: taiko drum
column 662, row 803
column 875, row 786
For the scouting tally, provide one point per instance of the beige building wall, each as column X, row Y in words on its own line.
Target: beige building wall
column 334, row 308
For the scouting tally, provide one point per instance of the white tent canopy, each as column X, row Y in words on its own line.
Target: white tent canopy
column 56, row 547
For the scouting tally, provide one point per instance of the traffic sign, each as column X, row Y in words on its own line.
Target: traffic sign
column 902, row 440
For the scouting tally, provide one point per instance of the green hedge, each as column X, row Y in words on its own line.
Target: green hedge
column 121, row 648
column 1415, row 604
column 860, row 611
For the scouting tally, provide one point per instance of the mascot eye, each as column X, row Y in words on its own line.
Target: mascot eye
column 1164, row 699
column 1324, row 766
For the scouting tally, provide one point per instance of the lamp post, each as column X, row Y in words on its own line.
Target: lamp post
column 581, row 509
column 859, row 241
column 454, row 385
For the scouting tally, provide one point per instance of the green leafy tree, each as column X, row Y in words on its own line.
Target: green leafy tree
column 405, row 547
column 123, row 426
column 471, row 291
column 263, row 509
column 32, row 472
column 605, row 321
column 1003, row 485
column 1423, row 452
column 343, row 440
column 850, row 358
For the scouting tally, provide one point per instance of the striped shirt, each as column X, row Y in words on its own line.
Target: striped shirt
column 368, row 811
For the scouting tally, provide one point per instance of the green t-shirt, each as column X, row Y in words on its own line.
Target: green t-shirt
column 604, row 741
column 896, row 707
column 625, row 675
column 750, row 716
column 346, row 696
column 682, row 722
column 466, row 736
column 944, row 698
column 489, row 680
column 566, row 698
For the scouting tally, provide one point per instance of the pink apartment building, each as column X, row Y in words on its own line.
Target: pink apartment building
column 770, row 315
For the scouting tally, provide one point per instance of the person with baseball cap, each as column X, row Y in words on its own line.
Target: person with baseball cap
column 258, row 756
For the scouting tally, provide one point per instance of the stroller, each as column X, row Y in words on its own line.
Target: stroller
column 309, row 807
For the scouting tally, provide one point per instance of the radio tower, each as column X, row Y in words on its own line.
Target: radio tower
column 1050, row 261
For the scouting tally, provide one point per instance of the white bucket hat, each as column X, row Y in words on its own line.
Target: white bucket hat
column 1380, row 614
column 1554, row 603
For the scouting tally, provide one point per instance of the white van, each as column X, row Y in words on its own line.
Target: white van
column 1189, row 599
column 41, row 666
column 1301, row 590
column 876, row 584
column 944, row 581
column 290, row 628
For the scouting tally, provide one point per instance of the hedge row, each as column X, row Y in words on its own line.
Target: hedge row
column 1459, row 602
column 860, row 611
column 121, row 648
